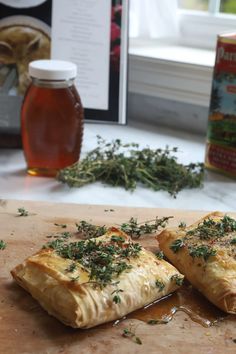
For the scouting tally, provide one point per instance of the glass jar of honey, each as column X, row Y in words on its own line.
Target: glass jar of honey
column 51, row 118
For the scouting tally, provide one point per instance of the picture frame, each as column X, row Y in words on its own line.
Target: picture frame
column 102, row 70
column 48, row 17
column 118, row 84
column 25, row 35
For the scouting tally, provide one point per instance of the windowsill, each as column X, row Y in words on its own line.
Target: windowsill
column 171, row 71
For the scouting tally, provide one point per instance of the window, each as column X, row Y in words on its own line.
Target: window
column 212, row 6
column 199, row 5
column 202, row 20
column 199, row 21
column 177, row 67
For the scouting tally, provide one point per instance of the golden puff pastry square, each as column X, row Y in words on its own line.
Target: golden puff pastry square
column 86, row 283
column 205, row 253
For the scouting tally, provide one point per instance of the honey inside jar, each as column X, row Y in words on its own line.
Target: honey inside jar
column 52, row 126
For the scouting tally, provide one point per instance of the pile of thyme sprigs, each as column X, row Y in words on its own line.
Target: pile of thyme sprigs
column 210, row 233
column 132, row 228
column 125, row 165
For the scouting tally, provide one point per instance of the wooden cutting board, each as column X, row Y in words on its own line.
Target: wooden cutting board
column 26, row 328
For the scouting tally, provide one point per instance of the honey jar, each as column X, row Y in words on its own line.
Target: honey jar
column 51, row 118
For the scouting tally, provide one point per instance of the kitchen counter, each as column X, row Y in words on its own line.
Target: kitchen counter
column 218, row 192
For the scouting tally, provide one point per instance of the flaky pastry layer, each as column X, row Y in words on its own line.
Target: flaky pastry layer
column 81, row 303
column 215, row 276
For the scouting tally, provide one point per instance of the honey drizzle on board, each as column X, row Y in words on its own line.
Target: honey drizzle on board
column 185, row 299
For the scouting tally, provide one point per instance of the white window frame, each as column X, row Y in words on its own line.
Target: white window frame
column 151, row 73
column 200, row 29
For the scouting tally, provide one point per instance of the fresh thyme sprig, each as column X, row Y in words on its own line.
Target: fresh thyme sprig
column 135, row 229
column 116, row 298
column 22, row 212
column 103, row 261
column 182, row 225
column 74, row 279
column 177, row 279
column 203, row 251
column 177, row 245
column 214, row 229
column 131, row 228
column 160, row 285
column 159, row 254
column 88, row 230
column 71, row 268
column 210, row 233
column 129, row 333
column 126, row 165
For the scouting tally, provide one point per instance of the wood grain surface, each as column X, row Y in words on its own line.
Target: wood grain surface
column 26, row 328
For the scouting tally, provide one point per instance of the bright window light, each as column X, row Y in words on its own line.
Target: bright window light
column 211, row 6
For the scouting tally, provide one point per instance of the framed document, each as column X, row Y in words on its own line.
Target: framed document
column 25, row 35
column 94, row 35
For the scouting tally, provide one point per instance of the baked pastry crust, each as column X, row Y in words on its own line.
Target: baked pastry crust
column 81, row 302
column 208, row 261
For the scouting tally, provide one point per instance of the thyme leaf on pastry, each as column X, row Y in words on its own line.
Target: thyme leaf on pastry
column 182, row 225
column 219, row 232
column 71, row 267
column 178, row 279
column 103, row 261
column 126, row 165
column 209, row 228
column 160, row 285
column 203, row 251
column 22, row 212
column 131, row 251
column 118, row 239
column 55, row 244
column 74, row 278
column 88, row 230
column 176, row 245
column 59, row 240
column 2, row 245
column 208, row 231
column 159, row 254
column 116, row 298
